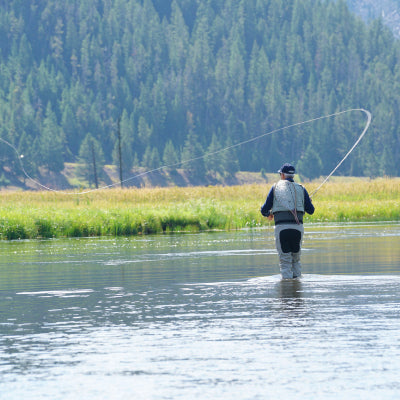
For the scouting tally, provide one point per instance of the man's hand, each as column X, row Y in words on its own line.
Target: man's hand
column 270, row 217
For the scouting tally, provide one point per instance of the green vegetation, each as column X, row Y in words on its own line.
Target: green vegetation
column 146, row 211
column 386, row 9
column 168, row 80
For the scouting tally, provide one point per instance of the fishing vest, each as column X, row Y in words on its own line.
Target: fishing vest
column 288, row 196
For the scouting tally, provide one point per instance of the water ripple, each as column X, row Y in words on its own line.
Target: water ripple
column 203, row 316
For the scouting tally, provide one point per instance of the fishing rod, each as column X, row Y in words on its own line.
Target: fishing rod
column 210, row 154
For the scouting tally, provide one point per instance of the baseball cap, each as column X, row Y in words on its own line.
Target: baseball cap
column 287, row 169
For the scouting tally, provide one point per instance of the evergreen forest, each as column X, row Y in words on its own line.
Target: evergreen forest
column 147, row 83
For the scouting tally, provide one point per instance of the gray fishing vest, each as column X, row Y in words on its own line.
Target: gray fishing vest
column 288, row 196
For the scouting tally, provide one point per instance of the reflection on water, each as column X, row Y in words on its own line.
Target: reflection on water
column 290, row 292
column 201, row 316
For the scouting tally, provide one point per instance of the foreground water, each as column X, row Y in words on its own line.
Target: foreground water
column 201, row 316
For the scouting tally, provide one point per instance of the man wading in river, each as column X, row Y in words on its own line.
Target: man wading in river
column 286, row 203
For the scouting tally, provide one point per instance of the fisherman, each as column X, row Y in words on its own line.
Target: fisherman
column 286, row 203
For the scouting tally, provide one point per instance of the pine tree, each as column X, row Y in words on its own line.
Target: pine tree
column 229, row 160
column 155, row 161
column 146, row 160
column 170, row 156
column 91, row 160
column 124, row 142
column 213, row 162
column 178, row 38
column 145, row 132
column 71, row 132
column 25, row 149
column 51, row 143
column 192, row 154
column 310, row 164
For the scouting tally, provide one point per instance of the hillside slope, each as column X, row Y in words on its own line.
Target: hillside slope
column 170, row 81
column 388, row 10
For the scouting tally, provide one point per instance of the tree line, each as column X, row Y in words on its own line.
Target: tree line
column 168, row 81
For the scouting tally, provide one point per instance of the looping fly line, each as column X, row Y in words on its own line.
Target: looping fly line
column 253, row 139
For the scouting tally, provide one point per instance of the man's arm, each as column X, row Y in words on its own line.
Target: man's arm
column 266, row 207
column 308, row 205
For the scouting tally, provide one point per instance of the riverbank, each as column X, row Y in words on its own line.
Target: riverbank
column 121, row 212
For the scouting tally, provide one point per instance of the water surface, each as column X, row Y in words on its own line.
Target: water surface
column 201, row 316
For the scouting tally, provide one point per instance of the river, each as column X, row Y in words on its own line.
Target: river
column 206, row 315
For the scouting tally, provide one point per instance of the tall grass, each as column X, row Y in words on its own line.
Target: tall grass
column 144, row 211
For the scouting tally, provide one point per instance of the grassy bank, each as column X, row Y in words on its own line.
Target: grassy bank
column 144, row 211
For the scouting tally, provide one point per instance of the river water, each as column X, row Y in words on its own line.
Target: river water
column 201, row 316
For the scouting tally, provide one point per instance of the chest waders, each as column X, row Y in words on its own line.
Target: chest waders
column 288, row 210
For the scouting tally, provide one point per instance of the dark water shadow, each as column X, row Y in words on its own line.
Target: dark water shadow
column 290, row 293
column 290, row 288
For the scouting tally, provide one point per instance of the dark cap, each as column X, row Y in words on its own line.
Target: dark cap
column 287, row 169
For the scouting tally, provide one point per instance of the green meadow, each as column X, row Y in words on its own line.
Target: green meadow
column 124, row 212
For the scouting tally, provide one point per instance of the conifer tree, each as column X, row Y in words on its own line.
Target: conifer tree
column 310, row 164
column 155, row 161
column 124, row 143
column 51, row 143
column 170, row 156
column 91, row 160
column 146, row 160
column 192, row 160
column 213, row 162
column 229, row 159
column 26, row 151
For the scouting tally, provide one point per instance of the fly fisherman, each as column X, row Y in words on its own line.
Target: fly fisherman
column 286, row 203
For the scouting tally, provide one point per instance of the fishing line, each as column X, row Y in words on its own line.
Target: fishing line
column 253, row 139
column 369, row 118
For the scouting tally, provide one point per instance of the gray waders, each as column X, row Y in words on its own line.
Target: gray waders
column 288, row 239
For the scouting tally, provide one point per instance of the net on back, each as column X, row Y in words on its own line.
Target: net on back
column 285, row 195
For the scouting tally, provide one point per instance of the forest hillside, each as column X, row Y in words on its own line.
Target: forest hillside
column 388, row 10
column 140, row 84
